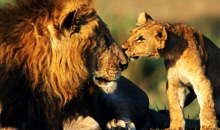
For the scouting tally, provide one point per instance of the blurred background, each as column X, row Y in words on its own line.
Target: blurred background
column 150, row 74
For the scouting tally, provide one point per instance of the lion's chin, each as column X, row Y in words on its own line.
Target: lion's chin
column 106, row 86
column 109, row 87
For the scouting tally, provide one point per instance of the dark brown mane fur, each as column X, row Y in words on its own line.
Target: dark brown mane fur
column 25, row 43
column 34, row 74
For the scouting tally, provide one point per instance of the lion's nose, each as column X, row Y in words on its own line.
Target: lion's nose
column 123, row 66
column 124, row 61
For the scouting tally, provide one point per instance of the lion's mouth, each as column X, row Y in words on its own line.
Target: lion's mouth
column 107, row 85
column 101, row 81
column 104, row 80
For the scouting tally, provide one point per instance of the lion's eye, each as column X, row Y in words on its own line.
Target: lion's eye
column 140, row 39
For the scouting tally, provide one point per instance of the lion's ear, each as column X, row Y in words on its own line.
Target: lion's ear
column 143, row 18
column 69, row 20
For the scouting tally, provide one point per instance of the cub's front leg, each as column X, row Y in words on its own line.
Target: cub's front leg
column 176, row 97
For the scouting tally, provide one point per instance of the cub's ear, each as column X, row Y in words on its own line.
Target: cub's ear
column 143, row 18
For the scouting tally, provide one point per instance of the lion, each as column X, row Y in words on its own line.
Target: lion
column 191, row 60
column 58, row 65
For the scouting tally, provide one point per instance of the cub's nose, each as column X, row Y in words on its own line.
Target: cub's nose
column 125, row 46
column 123, row 66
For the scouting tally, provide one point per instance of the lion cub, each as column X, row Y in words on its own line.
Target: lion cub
column 190, row 58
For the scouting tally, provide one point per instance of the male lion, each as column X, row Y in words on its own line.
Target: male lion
column 58, row 63
column 191, row 59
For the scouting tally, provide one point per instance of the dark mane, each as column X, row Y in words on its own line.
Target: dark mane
column 17, row 19
column 32, row 79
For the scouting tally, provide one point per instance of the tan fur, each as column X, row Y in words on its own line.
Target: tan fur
column 190, row 58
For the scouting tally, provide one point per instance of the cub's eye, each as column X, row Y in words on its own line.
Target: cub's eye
column 140, row 39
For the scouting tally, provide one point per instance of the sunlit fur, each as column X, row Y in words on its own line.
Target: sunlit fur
column 52, row 61
column 191, row 60
column 40, row 55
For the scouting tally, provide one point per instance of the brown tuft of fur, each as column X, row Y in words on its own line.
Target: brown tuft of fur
column 191, row 60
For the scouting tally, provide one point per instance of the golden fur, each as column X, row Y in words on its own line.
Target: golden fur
column 191, row 60
column 53, row 55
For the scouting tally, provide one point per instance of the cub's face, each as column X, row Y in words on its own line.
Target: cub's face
column 146, row 40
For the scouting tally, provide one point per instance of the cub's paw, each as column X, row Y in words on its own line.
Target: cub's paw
column 119, row 125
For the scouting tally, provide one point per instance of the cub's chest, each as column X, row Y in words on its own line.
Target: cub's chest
column 177, row 73
column 184, row 80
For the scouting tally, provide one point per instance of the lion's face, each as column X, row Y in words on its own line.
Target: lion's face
column 106, row 60
column 89, row 39
column 146, row 40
